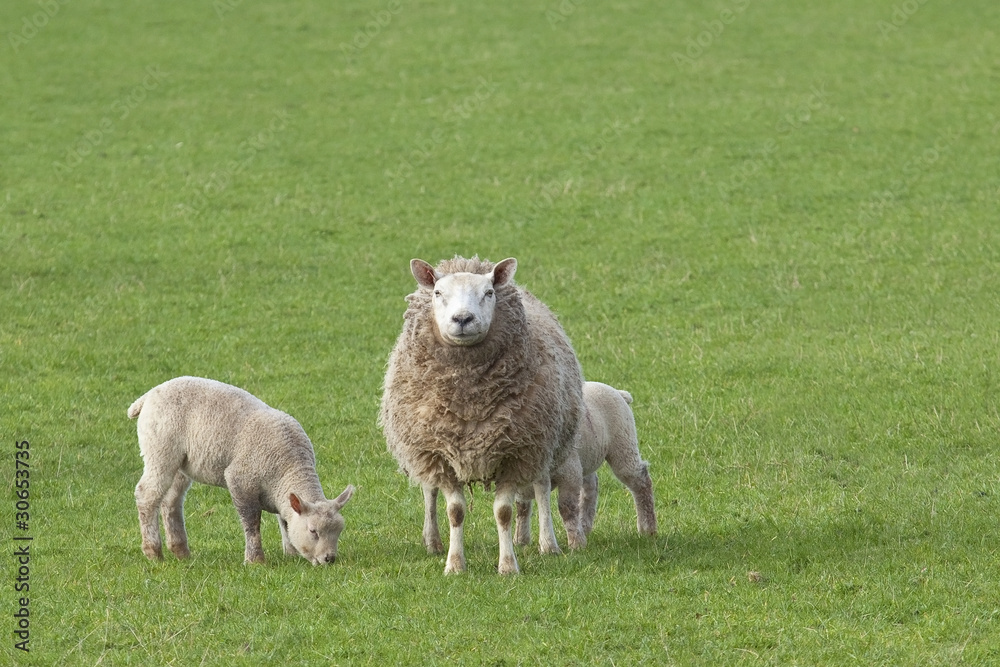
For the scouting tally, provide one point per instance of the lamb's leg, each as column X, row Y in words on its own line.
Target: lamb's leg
column 286, row 542
column 248, row 508
column 432, row 537
column 455, row 499
column 522, row 527
column 569, row 509
column 172, row 507
column 588, row 503
column 547, row 543
column 149, row 493
column 634, row 473
column 503, row 510
column 642, row 492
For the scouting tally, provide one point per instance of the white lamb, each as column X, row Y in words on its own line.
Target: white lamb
column 607, row 433
column 482, row 386
column 197, row 429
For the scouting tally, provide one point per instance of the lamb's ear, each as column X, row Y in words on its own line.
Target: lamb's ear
column 503, row 272
column 297, row 504
column 342, row 499
column 424, row 273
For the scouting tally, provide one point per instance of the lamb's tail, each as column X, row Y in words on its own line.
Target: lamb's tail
column 135, row 408
column 627, row 396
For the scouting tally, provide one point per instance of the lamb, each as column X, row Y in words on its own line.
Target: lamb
column 607, row 433
column 482, row 385
column 197, row 429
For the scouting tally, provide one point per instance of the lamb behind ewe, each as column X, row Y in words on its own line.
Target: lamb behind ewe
column 481, row 386
column 607, row 433
column 197, row 429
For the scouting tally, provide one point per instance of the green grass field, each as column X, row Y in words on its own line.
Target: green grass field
column 774, row 223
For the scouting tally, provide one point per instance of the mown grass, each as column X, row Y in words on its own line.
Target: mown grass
column 784, row 246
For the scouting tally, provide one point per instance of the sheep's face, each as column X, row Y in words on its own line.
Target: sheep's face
column 314, row 528
column 463, row 303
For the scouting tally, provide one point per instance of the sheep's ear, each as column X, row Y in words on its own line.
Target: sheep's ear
column 503, row 272
column 342, row 499
column 424, row 273
column 297, row 504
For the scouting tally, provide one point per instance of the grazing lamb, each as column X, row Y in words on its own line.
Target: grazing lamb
column 193, row 428
column 607, row 433
column 481, row 386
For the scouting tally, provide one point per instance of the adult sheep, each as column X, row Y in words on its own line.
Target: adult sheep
column 481, row 386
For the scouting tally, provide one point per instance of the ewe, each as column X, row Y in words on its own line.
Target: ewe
column 482, row 386
column 197, row 429
column 607, row 433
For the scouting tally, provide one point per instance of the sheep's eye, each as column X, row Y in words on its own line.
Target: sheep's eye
column 437, row 293
column 490, row 292
column 313, row 532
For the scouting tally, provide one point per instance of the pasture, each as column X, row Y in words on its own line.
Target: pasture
column 774, row 223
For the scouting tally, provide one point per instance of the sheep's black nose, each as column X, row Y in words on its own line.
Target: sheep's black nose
column 461, row 319
column 331, row 558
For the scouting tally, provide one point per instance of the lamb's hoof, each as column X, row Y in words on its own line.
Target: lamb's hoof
column 578, row 543
column 508, row 566
column 181, row 551
column 549, row 549
column 152, row 553
column 434, row 547
column 254, row 560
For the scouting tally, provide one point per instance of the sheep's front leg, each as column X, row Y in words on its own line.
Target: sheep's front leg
column 455, row 499
column 588, row 502
column 522, row 527
column 569, row 510
column 172, row 507
column 432, row 537
column 547, row 543
column 286, row 542
column 503, row 510
column 249, row 511
column 570, row 481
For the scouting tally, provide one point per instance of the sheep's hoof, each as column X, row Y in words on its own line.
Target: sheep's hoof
column 254, row 560
column 434, row 547
column 549, row 549
column 455, row 564
column 508, row 566
column 152, row 553
column 578, row 542
column 181, row 551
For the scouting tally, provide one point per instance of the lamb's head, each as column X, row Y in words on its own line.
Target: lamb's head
column 314, row 528
column 463, row 303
